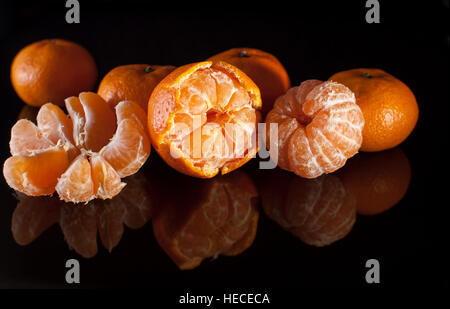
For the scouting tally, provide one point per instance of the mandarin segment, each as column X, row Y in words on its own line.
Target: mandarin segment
column 319, row 128
column 76, row 184
column 128, row 149
column 131, row 110
column 27, row 139
column 107, row 182
column 57, row 127
column 37, row 174
column 100, row 121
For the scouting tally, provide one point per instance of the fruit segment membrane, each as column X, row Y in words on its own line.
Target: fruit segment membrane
column 83, row 156
column 215, row 121
column 320, row 127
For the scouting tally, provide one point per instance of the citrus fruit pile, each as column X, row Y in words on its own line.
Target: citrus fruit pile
column 201, row 118
column 81, row 157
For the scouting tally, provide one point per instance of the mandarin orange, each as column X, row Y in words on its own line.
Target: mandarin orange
column 203, row 117
column 134, row 82
column 389, row 107
column 52, row 70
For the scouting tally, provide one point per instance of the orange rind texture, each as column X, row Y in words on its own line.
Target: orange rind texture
column 319, row 128
column 202, row 118
column 83, row 156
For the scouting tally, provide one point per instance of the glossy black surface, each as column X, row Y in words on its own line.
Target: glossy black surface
column 313, row 42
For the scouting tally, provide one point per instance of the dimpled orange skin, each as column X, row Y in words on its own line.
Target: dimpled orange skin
column 161, row 112
column 263, row 68
column 134, row 82
column 52, row 70
column 389, row 107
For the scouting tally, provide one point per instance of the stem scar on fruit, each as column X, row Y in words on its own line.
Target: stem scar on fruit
column 367, row 75
column 149, row 69
column 244, row 54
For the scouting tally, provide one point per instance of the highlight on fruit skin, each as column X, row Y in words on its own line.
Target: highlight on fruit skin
column 203, row 117
column 82, row 225
column 319, row 128
column 318, row 211
column 207, row 218
column 82, row 156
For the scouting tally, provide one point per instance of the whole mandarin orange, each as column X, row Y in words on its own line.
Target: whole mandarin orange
column 377, row 180
column 52, row 70
column 263, row 68
column 134, row 82
column 389, row 107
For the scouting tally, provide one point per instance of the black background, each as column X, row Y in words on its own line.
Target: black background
column 312, row 41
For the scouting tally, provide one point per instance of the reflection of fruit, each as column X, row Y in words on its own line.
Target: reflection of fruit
column 32, row 216
column 134, row 82
column 80, row 223
column 319, row 211
column 208, row 218
column 389, row 107
column 98, row 158
column 319, row 127
column 202, row 118
column 377, row 180
column 52, row 70
column 263, row 68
